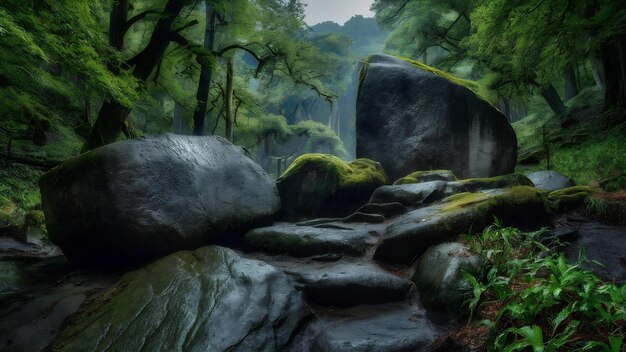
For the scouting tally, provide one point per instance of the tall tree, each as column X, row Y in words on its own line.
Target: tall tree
column 112, row 116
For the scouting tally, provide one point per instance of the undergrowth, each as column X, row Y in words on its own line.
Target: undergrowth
column 538, row 301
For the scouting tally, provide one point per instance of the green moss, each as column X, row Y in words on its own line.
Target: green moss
column 358, row 172
column 523, row 206
column 480, row 91
column 11, row 218
column 19, row 183
column 425, row 176
column 461, row 200
column 322, row 185
column 569, row 198
column 475, row 184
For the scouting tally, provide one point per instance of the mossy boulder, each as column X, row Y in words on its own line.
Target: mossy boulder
column 504, row 181
column 569, row 198
column 12, row 219
column 318, row 185
column 426, row 176
column 408, row 237
column 144, row 198
column 439, row 274
column 414, row 117
column 211, row 299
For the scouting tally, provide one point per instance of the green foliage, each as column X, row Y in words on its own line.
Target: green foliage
column 321, row 138
column 547, row 304
column 20, row 184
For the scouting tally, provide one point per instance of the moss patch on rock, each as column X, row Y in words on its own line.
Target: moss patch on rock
column 425, row 176
column 510, row 180
column 520, row 206
column 12, row 219
column 317, row 185
column 569, row 198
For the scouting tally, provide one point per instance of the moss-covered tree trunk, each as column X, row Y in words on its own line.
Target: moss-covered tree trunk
column 206, row 74
column 112, row 115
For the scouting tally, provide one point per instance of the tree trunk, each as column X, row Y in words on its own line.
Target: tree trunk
column 117, row 24
column 571, row 87
column 614, row 62
column 598, row 72
column 229, row 99
column 178, row 119
column 204, row 84
column 112, row 115
column 553, row 99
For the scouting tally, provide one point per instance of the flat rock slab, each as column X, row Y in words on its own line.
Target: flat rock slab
column 303, row 241
column 37, row 295
column 600, row 242
column 392, row 327
column 410, row 194
column 345, row 284
column 210, row 299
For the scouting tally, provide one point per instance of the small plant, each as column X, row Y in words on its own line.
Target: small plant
column 543, row 302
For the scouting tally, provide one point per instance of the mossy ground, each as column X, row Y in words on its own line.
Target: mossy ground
column 581, row 145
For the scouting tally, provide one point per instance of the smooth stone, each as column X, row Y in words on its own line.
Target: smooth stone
column 211, row 299
column 551, row 181
column 304, row 241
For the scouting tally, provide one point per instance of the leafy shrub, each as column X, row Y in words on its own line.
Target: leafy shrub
column 544, row 303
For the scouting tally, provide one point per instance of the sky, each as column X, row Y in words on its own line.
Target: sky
column 335, row 10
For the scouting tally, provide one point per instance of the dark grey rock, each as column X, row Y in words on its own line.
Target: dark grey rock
column 364, row 217
column 412, row 119
column 210, row 299
column 439, row 278
column 391, row 327
column 409, row 235
column 346, row 284
column 38, row 295
column 388, row 210
column 548, row 180
column 410, row 194
column 147, row 197
column 304, row 241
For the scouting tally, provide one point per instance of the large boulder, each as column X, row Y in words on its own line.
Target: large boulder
column 211, row 299
column 412, row 234
column 547, row 180
column 319, row 185
column 414, row 117
column 144, row 198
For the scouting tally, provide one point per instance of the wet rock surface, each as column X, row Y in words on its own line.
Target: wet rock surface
column 210, row 299
column 409, row 117
column 143, row 198
column 318, row 285
column 599, row 242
